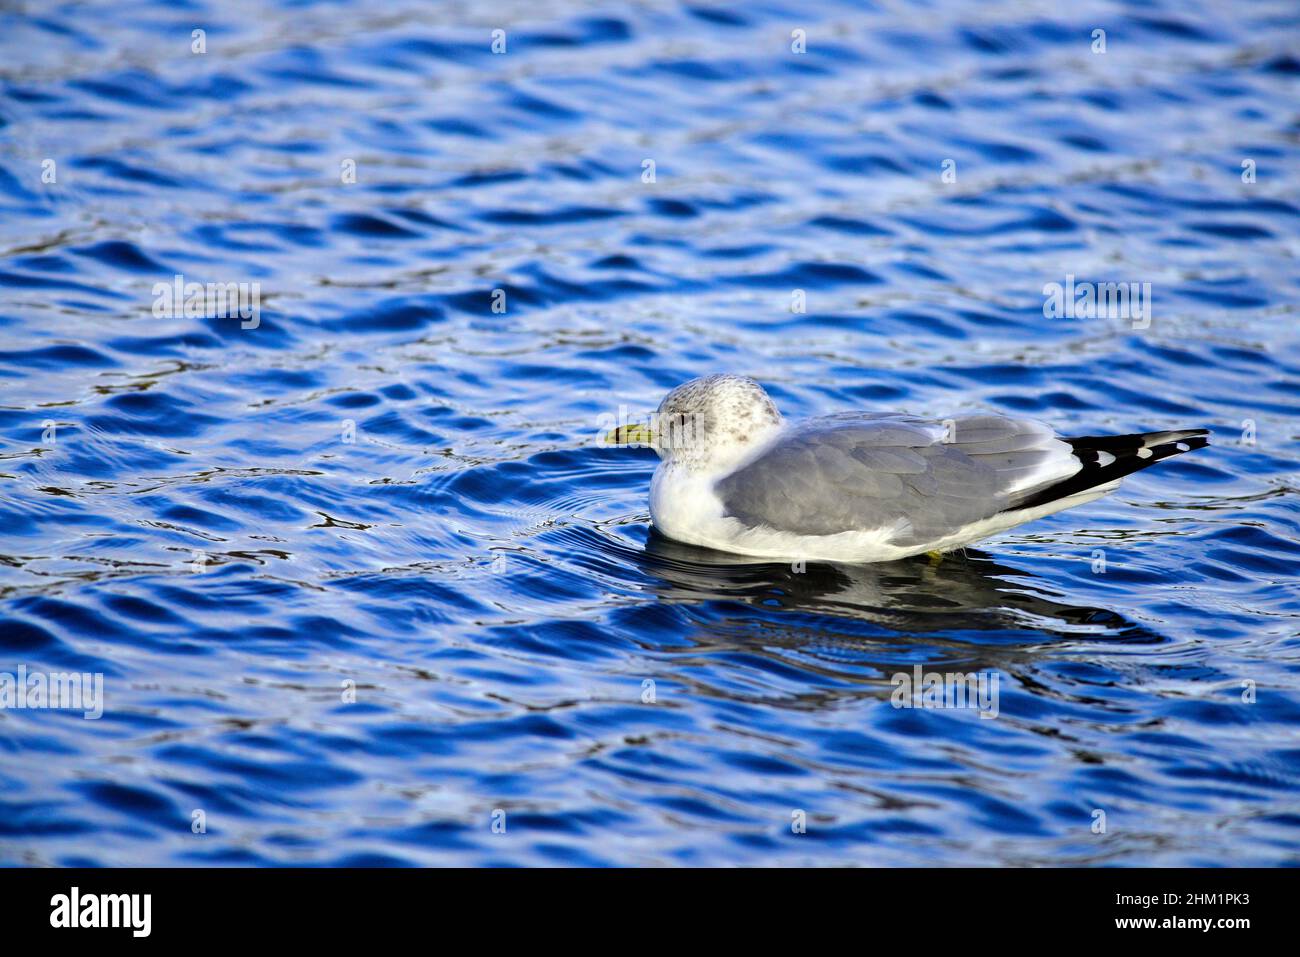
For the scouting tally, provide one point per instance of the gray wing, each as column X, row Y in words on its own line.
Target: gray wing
column 926, row 479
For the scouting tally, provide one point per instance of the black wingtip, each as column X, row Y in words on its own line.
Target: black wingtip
column 1106, row 458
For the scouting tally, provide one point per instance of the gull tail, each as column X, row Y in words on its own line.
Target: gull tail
column 1108, row 458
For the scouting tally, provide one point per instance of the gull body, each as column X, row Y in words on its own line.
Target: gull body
column 865, row 487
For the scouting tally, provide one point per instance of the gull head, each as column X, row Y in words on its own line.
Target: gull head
column 708, row 425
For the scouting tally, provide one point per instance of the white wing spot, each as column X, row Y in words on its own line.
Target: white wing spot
column 1144, row 453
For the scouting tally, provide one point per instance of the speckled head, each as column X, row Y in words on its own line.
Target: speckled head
column 713, row 422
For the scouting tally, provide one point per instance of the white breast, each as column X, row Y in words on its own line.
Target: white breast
column 685, row 507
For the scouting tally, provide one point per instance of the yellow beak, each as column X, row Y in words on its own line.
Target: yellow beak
column 631, row 435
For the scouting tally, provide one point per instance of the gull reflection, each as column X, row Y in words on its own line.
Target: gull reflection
column 962, row 594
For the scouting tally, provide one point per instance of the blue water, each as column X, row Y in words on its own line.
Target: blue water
column 389, row 490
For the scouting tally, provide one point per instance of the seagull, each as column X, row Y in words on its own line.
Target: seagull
column 864, row 486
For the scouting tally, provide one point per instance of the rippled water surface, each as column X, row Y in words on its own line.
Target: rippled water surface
column 392, row 490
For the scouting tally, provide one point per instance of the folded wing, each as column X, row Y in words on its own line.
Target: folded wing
column 920, row 479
